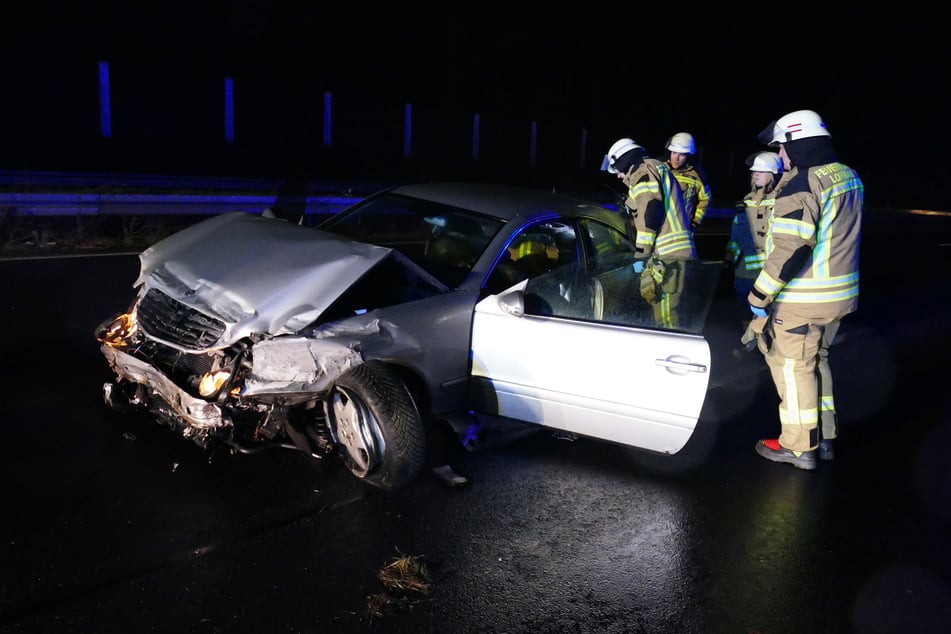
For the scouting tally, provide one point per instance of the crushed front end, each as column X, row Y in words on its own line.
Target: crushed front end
column 155, row 352
column 184, row 350
column 216, row 396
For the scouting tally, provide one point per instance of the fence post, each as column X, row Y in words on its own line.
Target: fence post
column 408, row 131
column 328, row 105
column 475, row 136
column 105, row 102
column 229, row 109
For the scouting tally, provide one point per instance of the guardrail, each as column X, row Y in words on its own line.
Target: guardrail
column 39, row 194
column 73, row 204
column 42, row 194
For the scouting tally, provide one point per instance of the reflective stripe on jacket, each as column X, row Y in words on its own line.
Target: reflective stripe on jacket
column 819, row 209
column 747, row 245
column 652, row 181
column 695, row 189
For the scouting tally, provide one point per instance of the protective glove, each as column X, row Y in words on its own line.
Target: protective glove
column 638, row 266
column 759, row 312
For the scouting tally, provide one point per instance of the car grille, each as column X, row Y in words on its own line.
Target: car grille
column 165, row 318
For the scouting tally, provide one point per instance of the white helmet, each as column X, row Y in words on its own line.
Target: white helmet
column 800, row 124
column 682, row 142
column 765, row 162
column 619, row 149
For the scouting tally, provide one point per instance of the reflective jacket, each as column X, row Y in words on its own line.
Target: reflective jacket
column 812, row 249
column 747, row 245
column 696, row 190
column 660, row 218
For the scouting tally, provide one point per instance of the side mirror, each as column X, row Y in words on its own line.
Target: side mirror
column 513, row 302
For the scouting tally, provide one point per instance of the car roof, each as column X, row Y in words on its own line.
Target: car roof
column 504, row 202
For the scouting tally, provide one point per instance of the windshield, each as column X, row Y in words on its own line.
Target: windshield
column 445, row 241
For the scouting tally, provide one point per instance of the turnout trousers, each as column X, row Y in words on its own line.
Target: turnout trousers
column 797, row 354
column 668, row 293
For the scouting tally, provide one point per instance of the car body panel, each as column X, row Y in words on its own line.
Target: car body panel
column 395, row 334
column 623, row 384
column 228, row 266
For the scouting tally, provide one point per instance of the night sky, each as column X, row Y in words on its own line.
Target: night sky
column 878, row 78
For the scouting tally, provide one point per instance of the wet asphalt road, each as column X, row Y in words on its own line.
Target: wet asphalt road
column 113, row 524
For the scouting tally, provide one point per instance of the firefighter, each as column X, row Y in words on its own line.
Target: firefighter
column 662, row 226
column 684, row 164
column 746, row 249
column 808, row 284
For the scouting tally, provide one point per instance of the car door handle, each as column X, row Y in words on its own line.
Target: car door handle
column 680, row 365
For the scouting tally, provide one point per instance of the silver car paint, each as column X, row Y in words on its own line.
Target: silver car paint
column 314, row 268
column 213, row 267
column 227, row 267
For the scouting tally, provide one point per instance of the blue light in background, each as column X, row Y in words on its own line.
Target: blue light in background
column 327, row 118
column 105, row 104
column 408, row 132
column 229, row 110
column 475, row 137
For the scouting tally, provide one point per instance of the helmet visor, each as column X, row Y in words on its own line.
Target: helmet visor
column 770, row 135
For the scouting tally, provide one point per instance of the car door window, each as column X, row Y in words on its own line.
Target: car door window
column 680, row 304
column 535, row 250
column 610, row 248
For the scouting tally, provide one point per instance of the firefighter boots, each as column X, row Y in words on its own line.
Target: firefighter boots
column 771, row 450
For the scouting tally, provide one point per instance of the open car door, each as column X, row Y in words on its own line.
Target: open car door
column 590, row 355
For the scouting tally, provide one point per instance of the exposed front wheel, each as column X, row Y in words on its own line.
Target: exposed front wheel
column 376, row 426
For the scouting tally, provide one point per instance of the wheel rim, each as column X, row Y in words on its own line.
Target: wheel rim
column 357, row 431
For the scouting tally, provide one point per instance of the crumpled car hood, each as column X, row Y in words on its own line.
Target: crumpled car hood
column 257, row 274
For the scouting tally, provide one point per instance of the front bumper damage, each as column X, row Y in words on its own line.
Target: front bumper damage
column 289, row 375
column 194, row 412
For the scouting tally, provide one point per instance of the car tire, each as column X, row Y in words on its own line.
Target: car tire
column 376, row 426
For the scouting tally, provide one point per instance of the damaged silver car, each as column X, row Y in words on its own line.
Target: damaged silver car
column 421, row 306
